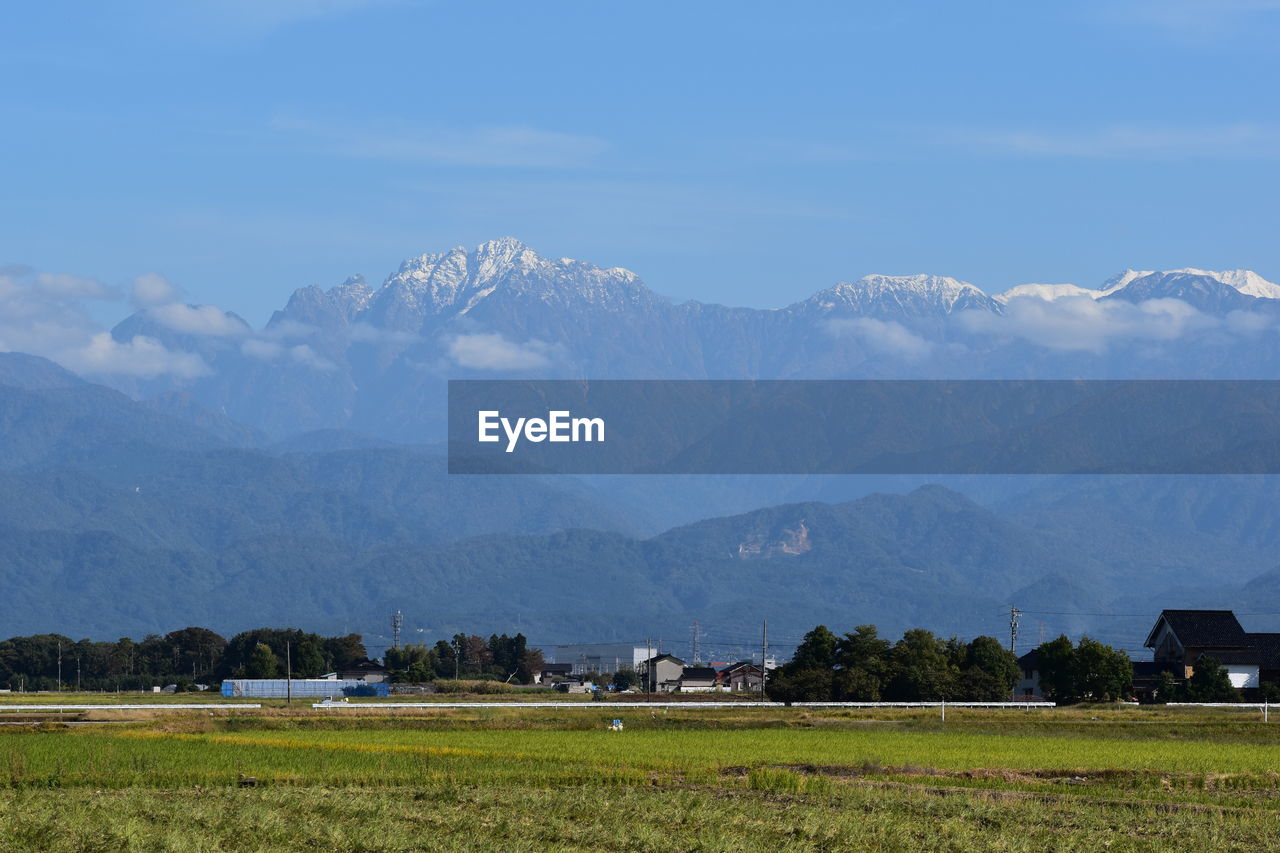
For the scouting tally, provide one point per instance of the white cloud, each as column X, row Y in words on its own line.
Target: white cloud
column 198, row 320
column 512, row 146
column 1190, row 21
column 42, row 314
column 264, row 349
column 142, row 356
column 1123, row 141
column 1080, row 323
column 153, row 289
column 289, row 330
column 885, row 337
column 74, row 286
column 492, row 351
column 306, row 356
column 261, row 350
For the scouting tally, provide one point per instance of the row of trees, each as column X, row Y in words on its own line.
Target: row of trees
column 499, row 658
column 1086, row 672
column 861, row 666
column 188, row 656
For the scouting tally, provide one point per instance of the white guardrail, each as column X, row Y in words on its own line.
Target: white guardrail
column 155, row 706
column 682, row 704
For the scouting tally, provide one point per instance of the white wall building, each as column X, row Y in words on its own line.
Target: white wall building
column 599, row 657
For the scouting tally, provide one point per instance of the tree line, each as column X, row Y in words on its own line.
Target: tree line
column 500, row 658
column 862, row 666
column 200, row 656
column 185, row 657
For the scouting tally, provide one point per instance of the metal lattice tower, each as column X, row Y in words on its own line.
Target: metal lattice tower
column 397, row 622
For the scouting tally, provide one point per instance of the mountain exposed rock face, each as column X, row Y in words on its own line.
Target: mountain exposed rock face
column 376, row 360
column 899, row 297
column 1206, row 292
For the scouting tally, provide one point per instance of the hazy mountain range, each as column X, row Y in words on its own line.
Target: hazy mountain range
column 288, row 474
column 125, row 517
column 375, row 360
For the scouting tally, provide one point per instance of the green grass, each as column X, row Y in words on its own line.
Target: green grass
column 739, row 779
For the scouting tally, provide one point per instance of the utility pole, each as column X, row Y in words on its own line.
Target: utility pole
column 648, row 666
column 77, row 673
column 59, row 666
column 764, row 655
column 397, row 622
column 1014, row 614
column 695, row 643
column 288, row 672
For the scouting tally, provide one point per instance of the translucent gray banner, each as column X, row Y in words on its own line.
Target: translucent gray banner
column 864, row 427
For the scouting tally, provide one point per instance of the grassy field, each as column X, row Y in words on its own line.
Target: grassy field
column 683, row 779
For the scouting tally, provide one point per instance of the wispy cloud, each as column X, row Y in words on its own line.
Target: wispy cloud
column 1123, row 141
column 198, row 320
column 492, row 351
column 153, row 289
column 43, row 314
column 249, row 18
column 1192, row 21
column 885, row 337
column 142, row 356
column 501, row 146
column 1083, row 324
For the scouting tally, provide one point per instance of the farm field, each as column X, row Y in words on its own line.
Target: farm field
column 684, row 779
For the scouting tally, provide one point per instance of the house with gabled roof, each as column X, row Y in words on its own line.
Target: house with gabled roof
column 661, row 673
column 698, row 679
column 743, row 675
column 1180, row 638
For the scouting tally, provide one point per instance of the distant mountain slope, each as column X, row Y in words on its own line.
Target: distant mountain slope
column 931, row 557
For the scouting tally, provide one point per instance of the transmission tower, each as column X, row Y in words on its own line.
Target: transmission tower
column 695, row 643
column 397, row 622
column 1014, row 615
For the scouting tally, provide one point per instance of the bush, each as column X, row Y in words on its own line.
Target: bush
column 472, row 685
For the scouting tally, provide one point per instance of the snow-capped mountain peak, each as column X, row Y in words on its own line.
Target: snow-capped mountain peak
column 1122, row 280
column 1152, row 284
column 1247, row 282
column 914, row 295
column 456, row 282
column 1047, row 292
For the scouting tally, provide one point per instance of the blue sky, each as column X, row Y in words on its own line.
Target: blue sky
column 747, row 152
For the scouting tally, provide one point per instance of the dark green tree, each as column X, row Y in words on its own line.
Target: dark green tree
column 922, row 669
column 816, row 651
column 1166, row 689
column 262, row 663
column 1101, row 673
column 989, row 671
column 1057, row 670
column 1209, row 682
column 862, row 665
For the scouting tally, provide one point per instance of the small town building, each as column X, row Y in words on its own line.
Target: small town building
column 1028, row 685
column 697, row 679
column 366, row 671
column 661, row 673
column 743, row 676
column 1181, row 638
column 554, row 672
